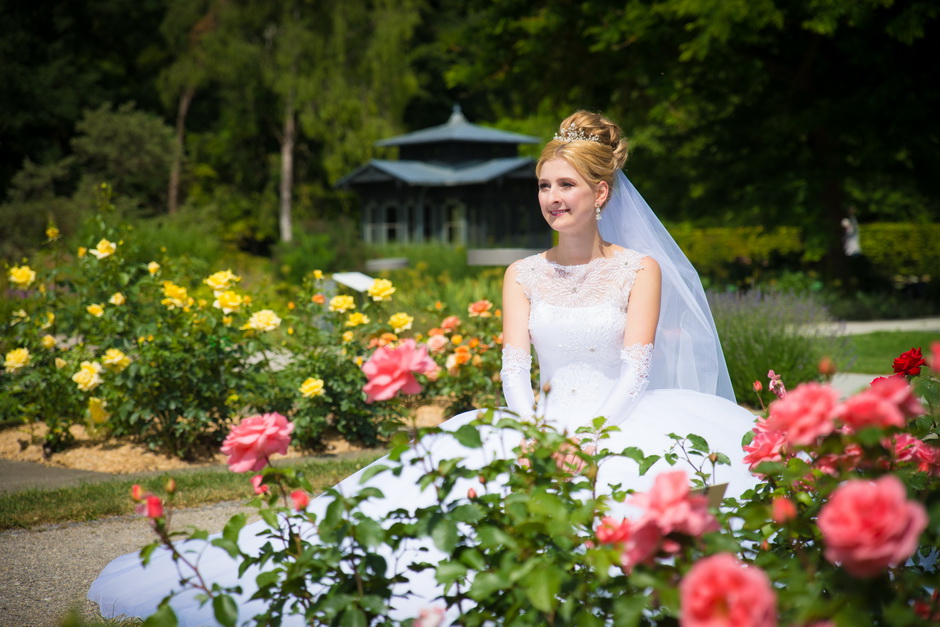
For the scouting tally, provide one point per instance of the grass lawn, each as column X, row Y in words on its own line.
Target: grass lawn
column 875, row 352
column 91, row 501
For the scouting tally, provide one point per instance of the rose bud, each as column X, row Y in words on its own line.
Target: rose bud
column 471, row 493
column 758, row 386
column 170, row 485
column 137, row 493
column 827, row 367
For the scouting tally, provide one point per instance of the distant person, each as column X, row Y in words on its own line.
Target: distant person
column 851, row 242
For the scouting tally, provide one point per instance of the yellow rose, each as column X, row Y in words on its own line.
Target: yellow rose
column 311, row 388
column 50, row 319
column 153, row 267
column 97, row 411
column 227, row 320
column 381, row 289
column 176, row 296
column 95, row 309
column 115, row 359
column 104, row 249
column 87, row 376
column 355, row 319
column 47, row 341
column 228, row 301
column 60, row 363
column 400, row 322
column 221, row 281
column 117, row 298
column 22, row 276
column 52, row 233
column 347, row 336
column 16, row 359
column 264, row 320
column 456, row 339
column 342, row 304
column 318, row 274
column 82, row 251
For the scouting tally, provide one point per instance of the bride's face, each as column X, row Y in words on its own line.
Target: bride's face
column 566, row 199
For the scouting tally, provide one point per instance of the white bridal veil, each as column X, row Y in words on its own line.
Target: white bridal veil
column 687, row 352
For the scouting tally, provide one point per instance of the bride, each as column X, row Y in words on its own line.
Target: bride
column 621, row 329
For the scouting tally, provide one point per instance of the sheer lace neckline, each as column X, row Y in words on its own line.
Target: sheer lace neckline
column 617, row 253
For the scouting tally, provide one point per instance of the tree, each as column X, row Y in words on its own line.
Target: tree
column 771, row 111
column 185, row 27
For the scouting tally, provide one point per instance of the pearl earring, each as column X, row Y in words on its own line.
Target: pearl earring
column 597, row 212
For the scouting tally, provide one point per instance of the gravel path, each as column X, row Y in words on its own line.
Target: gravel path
column 47, row 571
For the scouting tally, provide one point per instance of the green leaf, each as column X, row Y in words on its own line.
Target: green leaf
column 226, row 545
column 225, row 610
column 542, row 586
column 353, row 617
column 486, row 584
column 469, row 436
column 371, row 471
column 698, row 443
column 233, row 527
column 444, row 535
column 163, row 617
column 647, row 463
column 369, row 533
column 450, row 571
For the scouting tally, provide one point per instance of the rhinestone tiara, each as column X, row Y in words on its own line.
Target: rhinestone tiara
column 572, row 133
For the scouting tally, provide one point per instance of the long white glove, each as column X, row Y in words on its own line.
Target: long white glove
column 635, row 363
column 517, row 381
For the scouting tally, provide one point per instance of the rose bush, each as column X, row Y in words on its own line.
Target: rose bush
column 843, row 529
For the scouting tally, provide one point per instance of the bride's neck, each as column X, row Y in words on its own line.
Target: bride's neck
column 573, row 250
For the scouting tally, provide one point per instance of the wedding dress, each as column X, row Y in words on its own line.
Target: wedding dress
column 576, row 323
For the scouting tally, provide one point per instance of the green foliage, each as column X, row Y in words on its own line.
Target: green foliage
column 788, row 333
column 902, row 249
column 518, row 540
column 130, row 148
column 738, row 254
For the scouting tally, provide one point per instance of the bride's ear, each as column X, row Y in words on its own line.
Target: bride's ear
column 601, row 193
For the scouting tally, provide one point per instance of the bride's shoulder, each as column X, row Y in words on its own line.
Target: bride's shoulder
column 634, row 258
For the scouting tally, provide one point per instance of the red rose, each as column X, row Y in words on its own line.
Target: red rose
column 151, row 506
column 720, row 591
column 870, row 525
column 909, row 363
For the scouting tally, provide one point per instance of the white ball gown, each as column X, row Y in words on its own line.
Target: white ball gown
column 576, row 324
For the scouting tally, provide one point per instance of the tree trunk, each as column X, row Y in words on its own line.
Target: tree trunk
column 832, row 197
column 287, row 167
column 186, row 98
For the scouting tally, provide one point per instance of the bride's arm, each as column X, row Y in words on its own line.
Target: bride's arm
column 636, row 355
column 517, row 356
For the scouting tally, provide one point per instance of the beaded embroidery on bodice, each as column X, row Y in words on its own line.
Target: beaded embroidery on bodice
column 576, row 322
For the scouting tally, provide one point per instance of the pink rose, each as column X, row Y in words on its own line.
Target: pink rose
column 437, row 343
column 151, row 506
column 612, row 532
column 870, row 410
column 252, row 441
column 644, row 542
column 898, row 392
column 767, row 446
column 671, row 505
column 301, row 499
column 870, row 525
column 430, row 616
column 392, row 370
column 783, row 510
column 450, row 323
column 776, row 384
column 720, row 591
column 258, row 485
column 805, row 414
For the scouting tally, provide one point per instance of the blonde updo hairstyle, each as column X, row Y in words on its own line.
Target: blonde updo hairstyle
column 595, row 161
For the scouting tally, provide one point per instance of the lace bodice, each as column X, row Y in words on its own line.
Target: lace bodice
column 576, row 322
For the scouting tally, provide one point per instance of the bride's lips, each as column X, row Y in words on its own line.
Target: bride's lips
column 557, row 212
